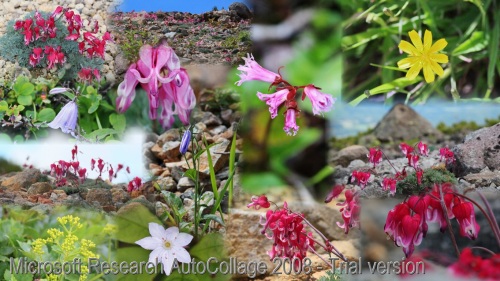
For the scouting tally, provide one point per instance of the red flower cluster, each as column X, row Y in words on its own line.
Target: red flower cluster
column 361, row 177
column 447, row 155
column 350, row 211
column 61, row 168
column 37, row 27
column 86, row 74
column 287, row 230
column 258, row 202
column 134, row 184
column 406, row 223
column 469, row 265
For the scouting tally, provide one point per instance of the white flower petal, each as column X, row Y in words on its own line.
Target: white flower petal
column 181, row 254
column 157, row 230
column 150, row 243
column 183, row 239
column 156, row 256
column 168, row 262
column 171, row 233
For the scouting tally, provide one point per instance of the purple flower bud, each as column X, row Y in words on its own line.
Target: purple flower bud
column 66, row 118
column 186, row 139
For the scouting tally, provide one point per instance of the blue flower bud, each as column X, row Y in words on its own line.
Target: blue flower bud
column 186, row 139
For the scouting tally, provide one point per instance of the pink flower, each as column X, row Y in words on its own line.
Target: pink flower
column 36, row 56
column 164, row 91
column 253, row 71
column 361, row 177
column 464, row 213
column 404, row 228
column 82, row 173
column 321, row 102
column 375, row 156
column 134, row 184
column 413, row 160
column 274, row 100
column 469, row 265
column 405, row 148
column 350, row 211
column 334, row 193
column 423, row 149
column 447, row 155
column 291, row 127
column 258, row 202
column 419, row 173
column 389, row 184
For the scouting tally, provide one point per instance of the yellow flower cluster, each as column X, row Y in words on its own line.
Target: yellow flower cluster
column 74, row 222
column 37, row 246
column 86, row 246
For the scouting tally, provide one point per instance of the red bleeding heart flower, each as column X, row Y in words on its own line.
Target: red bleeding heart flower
column 258, row 202
column 375, row 156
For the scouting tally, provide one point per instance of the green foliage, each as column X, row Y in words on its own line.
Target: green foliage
column 7, row 167
column 12, row 48
column 23, row 229
column 331, row 276
column 340, row 143
column 431, row 176
column 232, row 42
column 135, row 39
column 373, row 31
column 465, row 126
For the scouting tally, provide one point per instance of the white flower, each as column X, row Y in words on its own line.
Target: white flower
column 167, row 245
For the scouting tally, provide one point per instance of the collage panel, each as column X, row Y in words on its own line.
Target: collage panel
column 253, row 140
column 417, row 138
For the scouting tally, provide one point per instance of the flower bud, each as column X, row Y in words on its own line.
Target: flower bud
column 186, row 139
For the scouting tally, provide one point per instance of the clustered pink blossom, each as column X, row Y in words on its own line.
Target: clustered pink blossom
column 285, row 95
column 361, row 177
column 447, row 155
column 166, row 83
column 87, row 74
column 406, row 223
column 288, row 232
column 134, row 184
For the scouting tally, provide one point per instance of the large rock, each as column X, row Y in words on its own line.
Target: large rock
column 350, row 153
column 241, row 10
column 404, row 123
column 480, row 149
column 23, row 180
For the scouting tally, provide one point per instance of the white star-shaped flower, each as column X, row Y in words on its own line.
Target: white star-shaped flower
column 166, row 245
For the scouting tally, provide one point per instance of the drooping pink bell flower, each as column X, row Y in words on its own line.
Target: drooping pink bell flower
column 291, row 127
column 464, row 213
column 405, row 148
column 164, row 90
column 334, row 193
column 389, row 184
column 446, row 154
column 361, row 177
column 423, row 149
column 258, row 202
column 251, row 70
column 274, row 101
column 375, row 156
column 321, row 102
column 350, row 210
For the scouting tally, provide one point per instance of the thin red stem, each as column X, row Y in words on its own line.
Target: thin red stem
column 445, row 212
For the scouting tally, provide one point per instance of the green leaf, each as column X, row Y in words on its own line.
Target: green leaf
column 257, row 183
column 18, row 139
column 133, row 222
column 477, row 42
column 211, row 245
column 4, row 106
column 191, row 173
column 396, row 84
column 25, row 99
column 118, row 121
column 388, row 67
column 91, row 90
column 210, row 217
column 211, row 169
column 94, row 106
column 493, row 52
column 46, row 114
column 100, row 134
column 134, row 254
column 23, row 87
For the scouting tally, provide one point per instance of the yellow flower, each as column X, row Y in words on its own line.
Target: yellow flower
column 423, row 56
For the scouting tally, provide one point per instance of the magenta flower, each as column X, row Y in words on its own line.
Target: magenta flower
column 258, row 202
column 163, row 91
column 423, row 149
column 66, row 118
column 321, row 102
column 389, row 184
column 446, row 154
column 274, row 100
column 361, row 177
column 334, row 193
column 350, row 210
column 291, row 127
column 405, row 148
column 464, row 213
column 253, row 71
column 375, row 156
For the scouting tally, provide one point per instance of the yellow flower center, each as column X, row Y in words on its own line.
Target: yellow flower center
column 167, row 244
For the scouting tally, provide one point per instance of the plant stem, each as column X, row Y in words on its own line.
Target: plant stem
column 448, row 222
column 496, row 229
column 98, row 121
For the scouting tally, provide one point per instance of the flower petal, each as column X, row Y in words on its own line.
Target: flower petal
column 407, row 62
column 181, row 254
column 416, row 40
column 150, row 243
column 157, row 231
column 408, row 48
column 126, row 91
column 439, row 58
column 168, row 261
column 428, row 74
column 413, row 71
column 427, row 40
column 437, row 68
column 183, row 239
column 155, row 256
column 438, row 46
column 171, row 233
